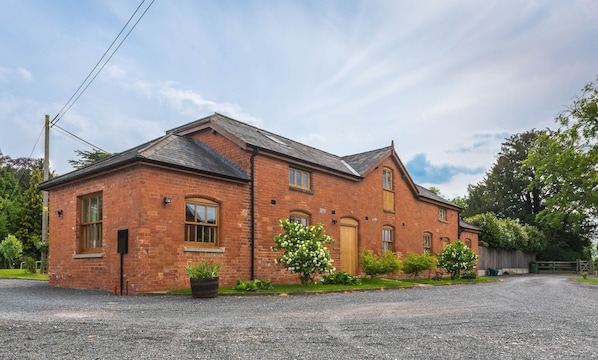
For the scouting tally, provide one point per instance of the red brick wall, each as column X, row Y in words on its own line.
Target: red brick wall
column 361, row 200
column 133, row 199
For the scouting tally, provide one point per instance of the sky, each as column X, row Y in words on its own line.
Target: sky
column 445, row 81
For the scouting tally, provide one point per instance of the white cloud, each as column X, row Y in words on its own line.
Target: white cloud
column 16, row 74
column 113, row 71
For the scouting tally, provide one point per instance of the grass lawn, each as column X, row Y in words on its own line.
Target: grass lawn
column 21, row 274
column 366, row 284
column 587, row 280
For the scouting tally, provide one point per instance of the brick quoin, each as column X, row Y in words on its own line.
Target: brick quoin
column 156, row 259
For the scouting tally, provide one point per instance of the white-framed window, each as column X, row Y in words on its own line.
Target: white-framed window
column 300, row 217
column 427, row 243
column 442, row 214
column 387, row 239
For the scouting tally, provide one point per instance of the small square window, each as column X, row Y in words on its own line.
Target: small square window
column 299, row 179
column 442, row 214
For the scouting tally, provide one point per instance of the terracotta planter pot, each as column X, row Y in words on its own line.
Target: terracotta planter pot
column 204, row 288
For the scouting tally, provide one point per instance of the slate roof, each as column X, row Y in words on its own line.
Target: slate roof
column 425, row 193
column 364, row 161
column 170, row 150
column 468, row 226
column 354, row 165
column 271, row 142
column 178, row 151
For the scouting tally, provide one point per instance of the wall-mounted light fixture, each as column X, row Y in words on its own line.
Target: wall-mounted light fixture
column 59, row 213
column 166, row 200
column 333, row 222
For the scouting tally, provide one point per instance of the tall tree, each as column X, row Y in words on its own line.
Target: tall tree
column 507, row 189
column 29, row 228
column 566, row 164
column 87, row 158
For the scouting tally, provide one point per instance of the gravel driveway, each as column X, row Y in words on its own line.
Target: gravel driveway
column 521, row 317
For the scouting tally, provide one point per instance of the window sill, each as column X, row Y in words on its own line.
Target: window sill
column 305, row 191
column 443, row 221
column 203, row 250
column 88, row 256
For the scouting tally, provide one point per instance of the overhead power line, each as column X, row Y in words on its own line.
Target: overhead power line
column 98, row 68
column 68, row 133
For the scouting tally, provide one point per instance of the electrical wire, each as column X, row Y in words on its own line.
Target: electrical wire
column 89, row 79
column 68, row 133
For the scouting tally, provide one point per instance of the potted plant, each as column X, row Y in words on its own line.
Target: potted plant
column 204, row 278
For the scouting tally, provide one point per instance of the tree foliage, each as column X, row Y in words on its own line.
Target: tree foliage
column 415, row 264
column 303, row 249
column 507, row 190
column 87, row 158
column 21, row 201
column 456, row 258
column 508, row 234
column 547, row 179
column 11, row 249
column 565, row 162
column 373, row 264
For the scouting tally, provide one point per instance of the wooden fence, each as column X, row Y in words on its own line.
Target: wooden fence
column 503, row 259
column 564, row 266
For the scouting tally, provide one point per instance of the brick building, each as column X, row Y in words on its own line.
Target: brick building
column 217, row 188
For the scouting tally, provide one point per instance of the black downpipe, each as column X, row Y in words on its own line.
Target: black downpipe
column 459, row 224
column 252, row 212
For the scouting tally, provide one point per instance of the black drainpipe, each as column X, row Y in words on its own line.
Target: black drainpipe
column 459, row 224
column 252, row 211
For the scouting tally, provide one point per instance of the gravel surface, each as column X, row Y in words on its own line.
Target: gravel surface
column 521, row 317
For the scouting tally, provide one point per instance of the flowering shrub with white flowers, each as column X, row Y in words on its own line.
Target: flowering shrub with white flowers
column 303, row 250
column 457, row 257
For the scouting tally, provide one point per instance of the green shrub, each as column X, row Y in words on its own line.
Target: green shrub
column 303, row 249
column 374, row 264
column 340, row 278
column 415, row 264
column 253, row 285
column 11, row 249
column 30, row 264
column 204, row 270
column 469, row 275
column 457, row 257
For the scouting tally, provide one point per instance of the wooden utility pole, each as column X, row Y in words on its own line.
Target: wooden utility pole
column 44, row 255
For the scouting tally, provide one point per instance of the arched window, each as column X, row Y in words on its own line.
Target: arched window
column 387, row 238
column 387, row 179
column 300, row 217
column 201, row 222
column 389, row 195
column 467, row 242
column 427, row 243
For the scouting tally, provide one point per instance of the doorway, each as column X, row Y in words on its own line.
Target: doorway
column 348, row 246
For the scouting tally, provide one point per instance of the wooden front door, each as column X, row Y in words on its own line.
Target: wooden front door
column 348, row 246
